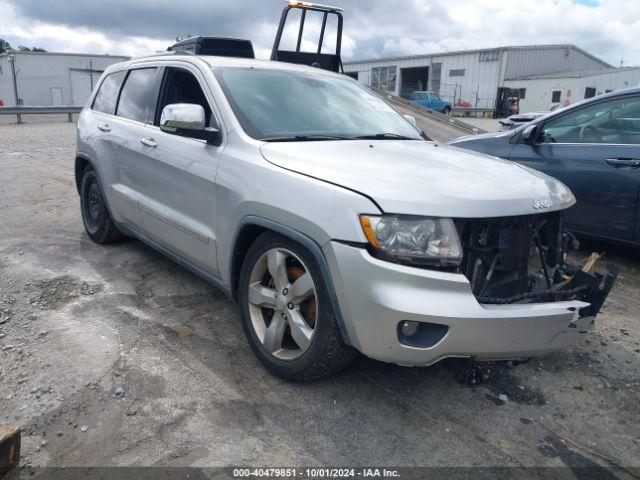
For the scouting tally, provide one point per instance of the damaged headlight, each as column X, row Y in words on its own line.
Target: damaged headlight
column 413, row 240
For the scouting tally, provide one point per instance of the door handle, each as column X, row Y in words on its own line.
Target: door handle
column 104, row 127
column 148, row 142
column 623, row 162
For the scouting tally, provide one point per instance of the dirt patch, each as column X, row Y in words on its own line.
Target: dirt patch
column 59, row 291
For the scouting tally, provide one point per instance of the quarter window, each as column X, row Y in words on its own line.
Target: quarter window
column 137, row 94
column 613, row 122
column 107, row 95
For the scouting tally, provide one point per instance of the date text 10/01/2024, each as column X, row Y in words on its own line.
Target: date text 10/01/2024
column 315, row 473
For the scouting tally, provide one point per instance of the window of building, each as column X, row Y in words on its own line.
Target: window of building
column 353, row 75
column 556, row 95
column 107, row 95
column 589, row 92
column 490, row 56
column 384, row 78
column 137, row 94
column 521, row 93
column 458, row 72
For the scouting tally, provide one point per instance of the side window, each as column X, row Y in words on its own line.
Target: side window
column 181, row 86
column 137, row 94
column 107, row 95
column 614, row 122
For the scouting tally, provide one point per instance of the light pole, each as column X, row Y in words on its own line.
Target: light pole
column 12, row 59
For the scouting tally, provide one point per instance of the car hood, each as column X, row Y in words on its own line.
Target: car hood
column 424, row 178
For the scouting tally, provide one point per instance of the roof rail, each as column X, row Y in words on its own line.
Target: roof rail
column 222, row 47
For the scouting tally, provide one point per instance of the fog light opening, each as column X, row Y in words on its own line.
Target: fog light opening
column 420, row 334
column 409, row 328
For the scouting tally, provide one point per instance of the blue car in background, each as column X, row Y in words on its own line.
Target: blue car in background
column 593, row 147
column 430, row 100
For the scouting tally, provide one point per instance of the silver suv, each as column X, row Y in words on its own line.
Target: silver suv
column 328, row 217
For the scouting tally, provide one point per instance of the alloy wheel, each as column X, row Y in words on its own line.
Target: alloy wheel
column 282, row 304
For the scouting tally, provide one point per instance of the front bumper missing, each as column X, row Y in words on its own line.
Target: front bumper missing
column 376, row 296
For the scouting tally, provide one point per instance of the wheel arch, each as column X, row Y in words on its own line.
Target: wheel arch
column 250, row 228
column 80, row 164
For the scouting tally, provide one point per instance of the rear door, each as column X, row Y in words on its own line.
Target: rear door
column 595, row 151
column 177, row 174
column 100, row 124
column 128, row 129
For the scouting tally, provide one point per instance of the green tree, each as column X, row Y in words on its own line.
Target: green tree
column 4, row 46
column 22, row 48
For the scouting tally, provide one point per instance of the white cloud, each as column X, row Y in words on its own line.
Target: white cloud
column 62, row 38
column 609, row 29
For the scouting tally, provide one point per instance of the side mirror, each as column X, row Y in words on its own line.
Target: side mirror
column 411, row 119
column 528, row 135
column 188, row 120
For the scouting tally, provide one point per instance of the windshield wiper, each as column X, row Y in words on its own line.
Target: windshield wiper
column 384, row 136
column 305, row 138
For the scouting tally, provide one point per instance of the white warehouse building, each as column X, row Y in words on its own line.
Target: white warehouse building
column 548, row 91
column 45, row 79
column 484, row 78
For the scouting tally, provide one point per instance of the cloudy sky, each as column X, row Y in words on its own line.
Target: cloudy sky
column 609, row 29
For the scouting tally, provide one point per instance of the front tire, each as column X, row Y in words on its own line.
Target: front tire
column 97, row 222
column 286, row 313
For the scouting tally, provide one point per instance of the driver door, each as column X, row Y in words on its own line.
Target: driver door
column 436, row 102
column 595, row 151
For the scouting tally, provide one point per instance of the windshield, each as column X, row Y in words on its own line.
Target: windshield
column 278, row 105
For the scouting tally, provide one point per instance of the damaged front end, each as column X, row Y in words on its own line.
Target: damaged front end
column 522, row 259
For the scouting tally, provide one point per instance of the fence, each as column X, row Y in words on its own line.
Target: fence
column 22, row 110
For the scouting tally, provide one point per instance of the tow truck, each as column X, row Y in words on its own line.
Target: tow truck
column 231, row 47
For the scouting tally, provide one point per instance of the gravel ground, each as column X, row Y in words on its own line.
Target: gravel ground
column 115, row 356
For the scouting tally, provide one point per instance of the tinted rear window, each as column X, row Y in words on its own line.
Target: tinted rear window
column 137, row 94
column 107, row 96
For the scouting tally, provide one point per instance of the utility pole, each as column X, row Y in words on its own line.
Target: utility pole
column 91, row 73
column 12, row 60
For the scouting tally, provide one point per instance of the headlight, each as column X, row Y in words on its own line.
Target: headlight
column 414, row 240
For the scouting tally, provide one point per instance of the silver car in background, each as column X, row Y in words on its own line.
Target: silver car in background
column 326, row 215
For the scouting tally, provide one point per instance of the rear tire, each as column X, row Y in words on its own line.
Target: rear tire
column 286, row 313
column 446, row 110
column 96, row 218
